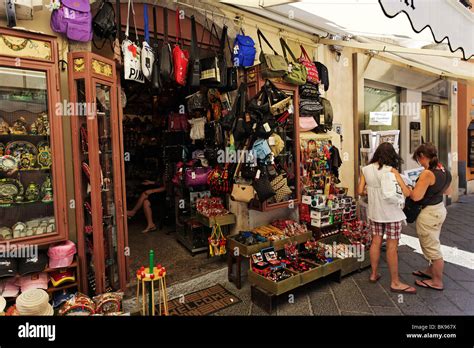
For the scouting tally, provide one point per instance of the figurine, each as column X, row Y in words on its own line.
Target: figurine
column 42, row 124
column 32, row 192
column 47, row 190
column 19, row 127
column 44, row 156
column 4, row 127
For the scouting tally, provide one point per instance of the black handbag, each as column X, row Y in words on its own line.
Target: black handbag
column 166, row 58
column 310, row 107
column 238, row 108
column 155, row 74
column 266, row 125
column 262, row 185
column 194, row 73
column 248, row 171
column 232, row 73
column 259, row 103
column 412, row 209
column 214, row 68
column 103, row 23
column 310, row 91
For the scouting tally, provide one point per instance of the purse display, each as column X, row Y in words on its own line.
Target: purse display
column 131, row 52
column 313, row 76
column 296, row 73
column 196, row 176
column 272, row 65
column 180, row 56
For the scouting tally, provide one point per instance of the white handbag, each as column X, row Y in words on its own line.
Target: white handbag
column 391, row 190
column 147, row 56
column 131, row 53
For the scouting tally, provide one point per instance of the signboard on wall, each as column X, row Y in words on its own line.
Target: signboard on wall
column 415, row 135
column 380, row 118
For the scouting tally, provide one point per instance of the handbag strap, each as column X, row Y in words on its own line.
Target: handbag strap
column 128, row 21
column 239, row 103
column 134, row 23
column 178, row 26
column 155, row 37
column 145, row 20
column 194, row 48
column 165, row 24
column 261, row 36
column 303, row 51
column 285, row 48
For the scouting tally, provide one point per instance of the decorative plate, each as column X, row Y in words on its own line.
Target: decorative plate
column 18, row 229
column 8, row 163
column 25, row 151
column 10, row 187
column 44, row 155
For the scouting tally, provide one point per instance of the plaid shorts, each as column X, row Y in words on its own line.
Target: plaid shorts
column 393, row 230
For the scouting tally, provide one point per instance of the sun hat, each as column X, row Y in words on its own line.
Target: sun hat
column 34, row 302
column 8, row 287
column 3, row 304
column 61, row 254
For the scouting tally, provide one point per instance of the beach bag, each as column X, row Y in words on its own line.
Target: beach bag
column 74, row 19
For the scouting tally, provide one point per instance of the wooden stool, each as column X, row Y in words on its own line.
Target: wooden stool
column 144, row 277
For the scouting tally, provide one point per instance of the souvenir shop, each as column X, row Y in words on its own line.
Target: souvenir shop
column 233, row 162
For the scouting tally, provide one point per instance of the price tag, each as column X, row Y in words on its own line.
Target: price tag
column 306, row 199
column 193, row 175
column 271, row 141
column 258, row 174
column 291, row 109
column 267, row 128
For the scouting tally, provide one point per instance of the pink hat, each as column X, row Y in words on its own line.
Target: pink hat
column 8, row 287
column 34, row 281
column 62, row 254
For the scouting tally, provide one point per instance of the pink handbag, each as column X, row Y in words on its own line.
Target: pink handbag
column 307, row 124
column 196, row 176
column 62, row 254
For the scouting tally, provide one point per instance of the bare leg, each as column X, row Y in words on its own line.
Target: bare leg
column 392, row 260
column 375, row 255
column 148, row 215
column 436, row 268
column 138, row 205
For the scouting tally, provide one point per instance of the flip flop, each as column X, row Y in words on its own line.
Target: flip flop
column 146, row 230
column 426, row 285
column 404, row 291
column 376, row 279
column 421, row 274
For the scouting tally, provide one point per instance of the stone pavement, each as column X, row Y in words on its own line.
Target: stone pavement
column 356, row 296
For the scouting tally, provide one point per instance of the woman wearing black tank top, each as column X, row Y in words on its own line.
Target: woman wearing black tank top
column 433, row 182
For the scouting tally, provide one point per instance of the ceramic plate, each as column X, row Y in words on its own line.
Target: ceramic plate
column 10, row 187
column 8, row 162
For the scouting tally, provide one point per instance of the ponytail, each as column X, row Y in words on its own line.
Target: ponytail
column 429, row 151
column 434, row 161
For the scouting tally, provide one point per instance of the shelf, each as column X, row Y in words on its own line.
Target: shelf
column 64, row 287
column 24, row 135
column 26, row 204
column 72, row 265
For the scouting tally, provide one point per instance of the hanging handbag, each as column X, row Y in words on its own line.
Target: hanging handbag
column 155, row 71
column 272, row 65
column 238, row 108
column 214, row 68
column 147, row 55
column 304, row 59
column 241, row 191
column 103, row 24
column 166, row 58
column 196, row 176
column 323, row 74
column 180, row 56
column 279, row 101
column 259, row 103
column 280, row 186
column 194, row 73
column 178, row 122
column 243, row 53
column 219, row 180
column 262, row 185
column 261, row 149
column 310, row 107
column 232, row 72
column 307, row 123
column 309, row 90
column 131, row 52
column 197, row 102
column 217, row 241
column 296, row 73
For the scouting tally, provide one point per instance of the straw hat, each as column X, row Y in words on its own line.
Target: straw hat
column 34, row 302
column 3, row 304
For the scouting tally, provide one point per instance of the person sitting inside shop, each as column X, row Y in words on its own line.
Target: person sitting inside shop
column 148, row 198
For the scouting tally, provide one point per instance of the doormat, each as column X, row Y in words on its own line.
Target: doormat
column 202, row 302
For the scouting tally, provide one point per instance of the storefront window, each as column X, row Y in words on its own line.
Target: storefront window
column 26, row 178
column 384, row 101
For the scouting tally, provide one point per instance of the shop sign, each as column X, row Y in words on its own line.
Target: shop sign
column 380, row 118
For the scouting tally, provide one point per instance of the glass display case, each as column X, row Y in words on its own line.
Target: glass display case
column 32, row 185
column 98, row 162
column 289, row 157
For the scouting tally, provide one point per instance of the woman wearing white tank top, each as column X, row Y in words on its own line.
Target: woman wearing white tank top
column 384, row 217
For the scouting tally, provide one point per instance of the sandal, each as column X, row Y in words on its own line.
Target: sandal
column 151, row 229
column 376, row 279
column 426, row 285
column 421, row 274
column 406, row 290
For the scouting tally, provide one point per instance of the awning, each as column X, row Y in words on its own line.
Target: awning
column 446, row 19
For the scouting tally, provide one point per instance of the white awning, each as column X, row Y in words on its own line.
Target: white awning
column 446, row 19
